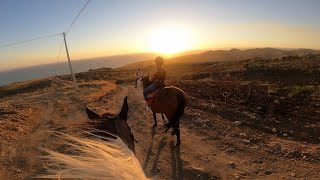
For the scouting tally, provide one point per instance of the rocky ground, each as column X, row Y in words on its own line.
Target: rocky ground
column 241, row 123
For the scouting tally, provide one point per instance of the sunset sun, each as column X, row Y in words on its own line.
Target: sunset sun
column 170, row 40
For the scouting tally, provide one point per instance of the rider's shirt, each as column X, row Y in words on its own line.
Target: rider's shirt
column 159, row 77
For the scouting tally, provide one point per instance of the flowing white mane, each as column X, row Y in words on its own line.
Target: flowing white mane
column 93, row 158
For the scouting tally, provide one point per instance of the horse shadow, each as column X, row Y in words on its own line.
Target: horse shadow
column 146, row 162
column 176, row 163
column 161, row 146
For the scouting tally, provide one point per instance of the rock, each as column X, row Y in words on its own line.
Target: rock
column 238, row 123
column 282, row 98
column 19, row 129
column 274, row 130
column 304, row 157
column 259, row 161
column 285, row 134
column 232, row 165
column 293, row 174
column 236, row 176
column 243, row 173
column 267, row 172
column 276, row 102
column 259, row 108
column 246, row 141
column 243, row 134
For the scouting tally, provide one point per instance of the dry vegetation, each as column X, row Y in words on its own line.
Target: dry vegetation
column 254, row 118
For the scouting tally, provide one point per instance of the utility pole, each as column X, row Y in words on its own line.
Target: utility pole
column 73, row 77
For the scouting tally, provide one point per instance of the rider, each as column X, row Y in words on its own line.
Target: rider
column 138, row 76
column 158, row 78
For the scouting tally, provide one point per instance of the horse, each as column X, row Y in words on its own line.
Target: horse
column 170, row 101
column 106, row 153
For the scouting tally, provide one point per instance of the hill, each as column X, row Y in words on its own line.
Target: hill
column 227, row 55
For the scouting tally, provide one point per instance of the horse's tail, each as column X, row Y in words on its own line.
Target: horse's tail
column 182, row 102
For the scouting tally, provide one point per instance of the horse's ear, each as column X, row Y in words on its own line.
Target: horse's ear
column 91, row 114
column 124, row 110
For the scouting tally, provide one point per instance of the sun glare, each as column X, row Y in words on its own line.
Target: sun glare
column 170, row 40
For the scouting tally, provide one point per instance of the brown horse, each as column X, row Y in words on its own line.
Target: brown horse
column 170, row 101
column 113, row 124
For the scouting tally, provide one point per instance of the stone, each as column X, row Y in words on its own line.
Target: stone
column 267, row 172
column 274, row 130
column 259, row 161
column 304, row 157
column 293, row 174
column 276, row 102
column 285, row 134
column 20, row 129
column 238, row 123
column 236, row 176
column 232, row 165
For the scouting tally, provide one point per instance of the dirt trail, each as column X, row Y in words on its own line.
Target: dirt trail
column 208, row 150
column 158, row 155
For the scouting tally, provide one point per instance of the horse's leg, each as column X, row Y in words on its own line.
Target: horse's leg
column 155, row 119
column 177, row 131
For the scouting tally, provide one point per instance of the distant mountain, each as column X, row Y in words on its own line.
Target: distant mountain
column 49, row 70
column 227, row 55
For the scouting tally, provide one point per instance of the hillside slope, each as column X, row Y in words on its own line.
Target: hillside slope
column 227, row 55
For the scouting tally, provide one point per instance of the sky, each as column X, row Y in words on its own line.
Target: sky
column 110, row 27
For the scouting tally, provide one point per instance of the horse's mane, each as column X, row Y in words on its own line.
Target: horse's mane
column 93, row 158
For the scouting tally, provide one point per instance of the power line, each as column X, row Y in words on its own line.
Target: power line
column 34, row 39
column 78, row 16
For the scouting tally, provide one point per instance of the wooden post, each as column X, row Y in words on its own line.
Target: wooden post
column 73, row 77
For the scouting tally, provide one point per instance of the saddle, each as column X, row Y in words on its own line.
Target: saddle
column 153, row 94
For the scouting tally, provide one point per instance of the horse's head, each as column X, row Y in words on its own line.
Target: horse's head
column 145, row 81
column 115, row 124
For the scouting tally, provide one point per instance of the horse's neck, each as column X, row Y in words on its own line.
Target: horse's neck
column 147, row 84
